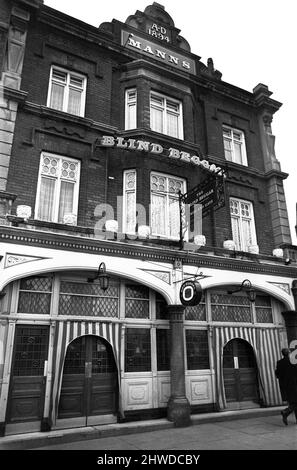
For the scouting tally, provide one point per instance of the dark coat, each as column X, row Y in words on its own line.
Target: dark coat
column 287, row 376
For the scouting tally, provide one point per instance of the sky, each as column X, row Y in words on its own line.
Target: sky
column 250, row 42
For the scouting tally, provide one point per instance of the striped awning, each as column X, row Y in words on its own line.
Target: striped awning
column 267, row 349
column 67, row 331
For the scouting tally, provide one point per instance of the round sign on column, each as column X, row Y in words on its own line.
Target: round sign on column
column 190, row 293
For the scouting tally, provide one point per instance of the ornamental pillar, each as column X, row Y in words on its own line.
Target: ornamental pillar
column 178, row 408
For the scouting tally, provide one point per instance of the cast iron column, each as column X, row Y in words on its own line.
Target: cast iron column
column 178, row 408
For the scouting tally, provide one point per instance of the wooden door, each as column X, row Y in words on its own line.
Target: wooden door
column 240, row 372
column 27, row 385
column 89, row 386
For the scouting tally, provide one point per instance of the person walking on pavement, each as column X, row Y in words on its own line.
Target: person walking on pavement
column 286, row 372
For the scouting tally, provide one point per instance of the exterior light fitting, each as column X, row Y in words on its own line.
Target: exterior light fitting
column 102, row 276
column 246, row 286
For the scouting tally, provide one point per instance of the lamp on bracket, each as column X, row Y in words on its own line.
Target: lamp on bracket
column 247, row 287
column 101, row 276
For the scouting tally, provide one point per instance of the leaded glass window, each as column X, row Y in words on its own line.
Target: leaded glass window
column 230, row 308
column 137, row 301
column 129, row 206
column 196, row 313
column 81, row 298
column 138, row 350
column 263, row 309
column 197, row 349
column 31, row 348
column 35, row 295
column 58, row 187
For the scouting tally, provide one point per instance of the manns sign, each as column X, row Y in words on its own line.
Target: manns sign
column 162, row 54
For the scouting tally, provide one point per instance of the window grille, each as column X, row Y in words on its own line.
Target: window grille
column 78, row 298
column 196, row 313
column 137, row 301
column 197, row 349
column 263, row 309
column 138, row 350
column 230, row 308
column 35, row 295
column 163, row 349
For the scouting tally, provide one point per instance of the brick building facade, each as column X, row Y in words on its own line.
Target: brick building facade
column 102, row 130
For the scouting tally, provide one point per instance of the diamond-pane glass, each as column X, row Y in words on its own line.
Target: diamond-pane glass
column 263, row 301
column 35, row 295
column 263, row 309
column 88, row 306
column 196, row 313
column 68, row 287
column 137, row 292
column 264, row 315
column 229, row 300
column 137, row 308
column 137, row 301
column 230, row 308
column 31, row 302
column 231, row 313
column 41, row 284
column 84, row 299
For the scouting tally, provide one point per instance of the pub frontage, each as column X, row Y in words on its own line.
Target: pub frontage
column 146, row 263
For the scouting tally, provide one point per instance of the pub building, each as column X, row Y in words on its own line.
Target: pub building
column 116, row 304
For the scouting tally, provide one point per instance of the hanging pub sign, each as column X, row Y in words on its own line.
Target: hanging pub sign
column 190, row 293
column 210, row 194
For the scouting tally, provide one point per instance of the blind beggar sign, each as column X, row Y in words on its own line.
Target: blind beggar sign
column 210, row 194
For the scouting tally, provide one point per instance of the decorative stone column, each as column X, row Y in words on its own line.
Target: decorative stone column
column 178, row 408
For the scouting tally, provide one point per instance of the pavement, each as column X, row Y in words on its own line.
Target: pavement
column 252, row 429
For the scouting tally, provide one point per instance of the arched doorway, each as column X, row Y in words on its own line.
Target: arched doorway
column 240, row 375
column 89, row 392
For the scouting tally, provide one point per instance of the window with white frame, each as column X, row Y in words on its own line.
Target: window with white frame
column 129, row 205
column 243, row 224
column 131, row 109
column 165, row 210
column 234, row 145
column 58, row 186
column 166, row 115
column 67, row 91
